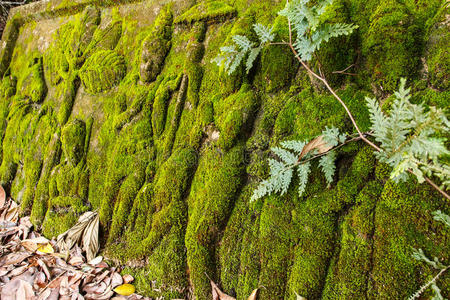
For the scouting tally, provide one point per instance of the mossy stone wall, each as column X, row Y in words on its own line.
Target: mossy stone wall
column 116, row 106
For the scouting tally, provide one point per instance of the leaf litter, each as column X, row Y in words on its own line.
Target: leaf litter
column 35, row 268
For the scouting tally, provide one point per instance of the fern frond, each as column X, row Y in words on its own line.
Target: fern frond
column 264, row 33
column 331, row 136
column 437, row 292
column 327, row 31
column 441, row 217
column 303, row 172
column 296, row 146
column 237, row 59
column 328, row 167
column 251, row 58
column 243, row 42
column 420, row 256
column 380, row 122
column 287, row 157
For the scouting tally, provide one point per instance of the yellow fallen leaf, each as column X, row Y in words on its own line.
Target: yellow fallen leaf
column 125, row 289
column 48, row 249
column 253, row 295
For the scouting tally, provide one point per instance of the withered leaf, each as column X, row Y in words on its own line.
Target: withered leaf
column 253, row 295
column 127, row 278
column 90, row 238
column 33, row 244
column 13, row 258
column 72, row 236
column 25, row 291
column 2, row 196
column 317, row 143
column 218, row 294
column 299, row 297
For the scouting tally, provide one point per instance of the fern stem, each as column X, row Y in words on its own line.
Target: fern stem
column 424, row 287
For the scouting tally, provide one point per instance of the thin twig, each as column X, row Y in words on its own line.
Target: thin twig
column 344, row 71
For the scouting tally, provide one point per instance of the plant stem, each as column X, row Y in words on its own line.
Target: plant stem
column 330, row 89
column 423, row 288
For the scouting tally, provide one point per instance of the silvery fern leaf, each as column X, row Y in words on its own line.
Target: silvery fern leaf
column 437, row 292
column 304, row 47
column 287, row 157
column 326, row 162
column 264, row 33
column 441, row 217
column 331, row 136
column 228, row 49
column 327, row 31
column 303, row 172
column 251, row 58
column 403, row 92
column 243, row 42
column 380, row 122
column 295, row 146
column 420, row 256
column 236, row 62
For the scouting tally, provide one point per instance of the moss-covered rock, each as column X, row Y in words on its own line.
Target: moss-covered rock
column 102, row 71
column 437, row 56
column 169, row 148
column 156, row 46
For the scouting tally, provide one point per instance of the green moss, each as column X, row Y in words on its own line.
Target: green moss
column 233, row 115
column 403, row 220
column 9, row 37
column 207, row 11
column 215, row 184
column 350, row 270
column 161, row 103
column 105, row 38
column 315, row 238
column 437, row 55
column 156, row 46
column 391, row 45
column 32, row 85
column 102, row 71
column 278, row 64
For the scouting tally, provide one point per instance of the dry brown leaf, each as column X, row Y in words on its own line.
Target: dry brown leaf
column 9, row 290
column 76, row 260
column 25, row 291
column 33, row 244
column 12, row 213
column 96, row 261
column 40, row 280
column 253, row 295
column 13, row 258
column 2, row 196
column 317, row 143
column 44, row 295
column 218, row 294
column 116, row 280
column 127, row 278
column 18, row 271
column 90, row 238
column 44, row 268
